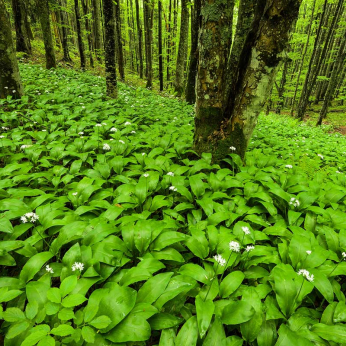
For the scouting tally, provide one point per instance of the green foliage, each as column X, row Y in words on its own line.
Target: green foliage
column 122, row 245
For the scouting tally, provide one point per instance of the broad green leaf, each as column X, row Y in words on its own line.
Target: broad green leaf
column 204, row 310
column 33, row 265
column 230, row 283
column 237, row 312
column 62, row 330
column 188, row 333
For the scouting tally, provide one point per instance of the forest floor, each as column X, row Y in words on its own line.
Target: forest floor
column 109, row 194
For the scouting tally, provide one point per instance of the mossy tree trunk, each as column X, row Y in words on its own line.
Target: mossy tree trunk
column 182, row 50
column 214, row 44
column 64, row 23
column 10, row 83
column 109, row 25
column 85, row 7
column 190, row 92
column 22, row 37
column 216, row 131
column 43, row 11
column 79, row 35
column 97, row 29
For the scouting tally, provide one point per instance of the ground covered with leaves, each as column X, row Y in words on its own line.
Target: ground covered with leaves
column 113, row 232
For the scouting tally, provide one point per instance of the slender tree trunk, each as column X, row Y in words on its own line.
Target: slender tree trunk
column 310, row 79
column 134, row 38
column 65, row 47
column 88, row 29
column 169, row 40
column 216, row 132
column 280, row 88
column 182, row 50
column 109, row 25
column 22, row 38
column 98, row 31
column 160, row 46
column 119, row 41
column 43, row 11
column 303, row 56
column 140, row 40
column 190, row 92
column 148, row 13
column 79, row 35
column 10, row 83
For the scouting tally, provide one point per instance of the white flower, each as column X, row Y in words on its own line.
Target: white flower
column 113, row 129
column 104, row 124
column 245, row 230
column 306, row 274
column 2, row 136
column 219, row 259
column 133, row 131
column 146, row 175
column 249, row 248
column 234, row 246
column 74, row 193
column 44, row 130
column 344, row 255
column 106, row 147
column 127, row 123
column 81, row 133
column 143, row 154
column 122, row 142
column 295, row 202
column 83, row 107
column 173, row 188
column 13, row 91
column 4, row 128
column 29, row 216
column 6, row 87
column 49, row 269
column 321, row 156
column 337, row 172
column 111, row 139
column 289, row 166
column 233, row 148
column 24, row 146
column 171, row 174
column 308, row 252
column 77, row 266
column 98, row 125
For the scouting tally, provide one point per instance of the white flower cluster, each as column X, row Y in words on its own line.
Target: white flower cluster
column 321, row 156
column 121, row 141
column 106, row 146
column 289, row 166
column 173, row 188
column 233, row 148
column 127, row 123
column 77, row 266
column 245, row 230
column 146, row 175
column 219, row 259
column 98, row 125
column 171, row 174
column 32, row 217
column 249, row 248
column 308, row 252
column 113, row 129
column 49, row 269
column 24, row 146
column 234, row 246
column 2, row 136
column 344, row 255
column 295, row 202
column 306, row 274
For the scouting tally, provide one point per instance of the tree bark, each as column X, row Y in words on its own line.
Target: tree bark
column 109, row 25
column 160, row 46
column 85, row 7
column 10, row 83
column 119, row 41
column 140, row 40
column 216, row 132
column 169, row 40
column 97, row 28
column 190, row 92
column 79, row 36
column 22, row 38
column 43, row 11
column 148, row 14
column 182, row 50
column 63, row 21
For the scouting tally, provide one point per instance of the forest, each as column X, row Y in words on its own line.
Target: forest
column 172, row 172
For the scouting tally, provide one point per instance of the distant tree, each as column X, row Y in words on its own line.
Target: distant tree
column 109, row 24
column 97, row 28
column 119, row 41
column 64, row 23
column 79, row 35
column 85, row 6
column 148, row 33
column 140, row 40
column 160, row 45
column 10, row 83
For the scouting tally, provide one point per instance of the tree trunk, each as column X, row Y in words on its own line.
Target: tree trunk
column 280, row 88
column 215, row 131
column 97, row 28
column 79, row 36
column 160, row 46
column 119, row 41
column 43, row 11
column 22, row 38
column 140, row 40
column 190, row 92
column 169, row 40
column 333, row 80
column 10, row 83
column 63, row 21
column 214, row 43
column 109, row 25
column 182, row 50
column 88, row 29
column 148, row 13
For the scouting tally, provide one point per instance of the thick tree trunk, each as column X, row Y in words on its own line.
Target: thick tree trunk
column 43, row 11
column 182, row 50
column 190, row 92
column 22, row 38
column 214, row 43
column 10, row 83
column 216, row 132
column 63, row 21
column 88, row 29
column 79, row 36
column 109, row 25
column 148, row 14
column 333, row 79
column 119, row 41
column 160, row 46
column 140, row 40
column 97, row 29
